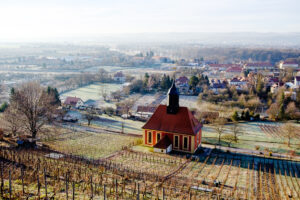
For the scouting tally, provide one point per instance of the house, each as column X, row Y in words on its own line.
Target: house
column 217, row 85
column 119, row 77
column 233, row 71
column 288, row 65
column 183, row 85
column 297, row 81
column 73, row 102
column 258, row 66
column 172, row 127
column 239, row 83
column 144, row 112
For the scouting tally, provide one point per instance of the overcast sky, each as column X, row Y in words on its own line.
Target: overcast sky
column 23, row 19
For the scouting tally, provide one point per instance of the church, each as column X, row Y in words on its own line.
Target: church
column 172, row 127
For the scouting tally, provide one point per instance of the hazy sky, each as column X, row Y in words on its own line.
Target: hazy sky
column 24, row 19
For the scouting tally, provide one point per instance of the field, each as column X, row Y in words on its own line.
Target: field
column 129, row 174
column 265, row 135
column 93, row 92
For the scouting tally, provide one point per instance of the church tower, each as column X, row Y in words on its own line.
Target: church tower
column 173, row 100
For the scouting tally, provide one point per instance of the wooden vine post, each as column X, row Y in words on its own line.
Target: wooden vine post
column 10, row 190
column 104, row 192
column 2, row 183
column 22, row 177
column 73, row 190
column 45, row 179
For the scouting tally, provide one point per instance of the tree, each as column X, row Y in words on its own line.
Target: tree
column 236, row 130
column 54, row 92
column 126, row 105
column 228, row 138
column 247, row 115
column 193, row 82
column 103, row 93
column 289, row 131
column 273, row 111
column 3, row 106
column 10, row 116
column 235, row 116
column 116, row 95
column 291, row 111
column 219, row 126
column 33, row 106
column 89, row 116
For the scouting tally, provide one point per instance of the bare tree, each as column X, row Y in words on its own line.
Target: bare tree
column 12, row 122
column 236, row 130
column 289, row 132
column 219, row 126
column 126, row 105
column 116, row 95
column 34, row 107
column 103, row 93
column 90, row 116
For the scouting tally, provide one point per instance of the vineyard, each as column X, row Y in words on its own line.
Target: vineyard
column 128, row 174
column 271, row 130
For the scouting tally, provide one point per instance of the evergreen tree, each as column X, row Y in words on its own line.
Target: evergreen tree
column 235, row 116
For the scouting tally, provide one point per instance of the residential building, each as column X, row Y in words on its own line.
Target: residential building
column 119, row 77
column 288, row 65
column 259, row 66
column 297, row 81
column 182, row 84
column 73, row 102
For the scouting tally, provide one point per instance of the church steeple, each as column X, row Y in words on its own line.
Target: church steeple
column 173, row 100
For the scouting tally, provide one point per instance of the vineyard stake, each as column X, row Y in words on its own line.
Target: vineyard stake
column 104, row 192
column 22, row 176
column 45, row 178
column 73, row 187
column 138, row 192
column 116, row 189
column 38, row 184
column 92, row 196
column 2, row 184
column 163, row 190
column 66, row 180
column 9, row 184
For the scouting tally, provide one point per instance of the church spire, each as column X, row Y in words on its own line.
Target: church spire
column 173, row 100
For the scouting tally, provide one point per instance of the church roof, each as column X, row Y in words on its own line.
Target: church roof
column 182, row 122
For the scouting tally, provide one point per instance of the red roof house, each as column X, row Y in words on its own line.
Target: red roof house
column 73, row 101
column 172, row 127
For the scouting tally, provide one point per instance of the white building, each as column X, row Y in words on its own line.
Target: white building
column 119, row 77
column 297, row 81
column 288, row 65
